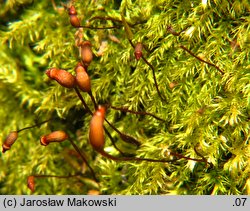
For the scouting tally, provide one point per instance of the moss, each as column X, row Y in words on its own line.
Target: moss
column 199, row 52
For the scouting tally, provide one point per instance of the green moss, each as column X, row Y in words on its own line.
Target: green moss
column 207, row 111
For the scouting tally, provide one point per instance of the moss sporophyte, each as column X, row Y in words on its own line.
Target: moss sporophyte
column 122, row 97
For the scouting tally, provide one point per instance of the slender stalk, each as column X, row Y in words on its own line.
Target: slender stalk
column 131, row 43
column 103, row 153
column 83, row 158
column 91, row 27
column 93, row 99
column 187, row 158
column 104, row 18
column 135, row 112
column 114, row 20
column 112, row 140
column 173, row 32
column 154, row 76
column 54, row 5
column 123, row 136
column 83, row 101
column 55, row 176
column 199, row 154
column 153, row 71
column 26, row 128
column 200, row 59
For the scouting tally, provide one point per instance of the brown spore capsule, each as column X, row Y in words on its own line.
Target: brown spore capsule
column 74, row 20
column 138, row 50
column 51, row 72
column 201, row 110
column 82, row 78
column 9, row 141
column 56, row 136
column 86, row 53
column 72, row 10
column 63, row 77
column 172, row 85
column 93, row 192
column 31, row 183
column 96, row 131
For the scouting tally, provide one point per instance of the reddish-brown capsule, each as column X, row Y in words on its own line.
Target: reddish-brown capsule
column 63, row 77
column 72, row 10
column 86, row 53
column 11, row 138
column 31, row 183
column 201, row 110
column 93, row 192
column 138, row 50
column 82, row 78
column 172, row 85
column 56, row 136
column 74, row 20
column 96, row 131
